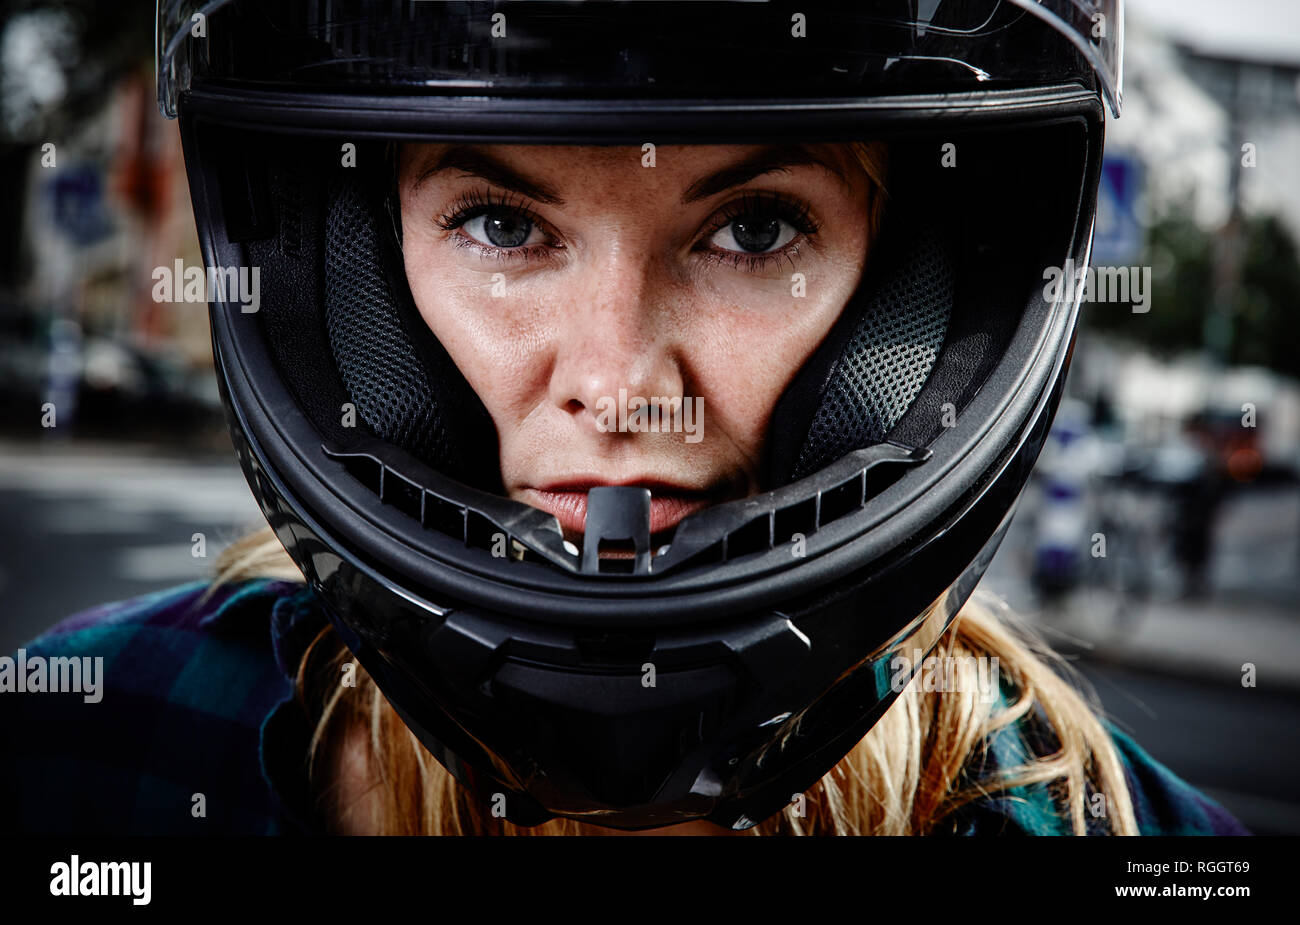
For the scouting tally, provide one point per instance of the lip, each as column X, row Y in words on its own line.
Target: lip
column 669, row 504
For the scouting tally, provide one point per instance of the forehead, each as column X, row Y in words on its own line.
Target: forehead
column 589, row 153
column 554, row 173
column 560, row 157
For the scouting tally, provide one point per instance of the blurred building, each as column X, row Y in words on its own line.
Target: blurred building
column 101, row 209
column 1199, row 84
column 1200, row 81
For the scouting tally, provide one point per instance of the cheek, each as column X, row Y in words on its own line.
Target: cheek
column 496, row 347
column 753, row 344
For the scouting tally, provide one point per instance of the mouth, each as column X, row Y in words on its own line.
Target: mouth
column 669, row 504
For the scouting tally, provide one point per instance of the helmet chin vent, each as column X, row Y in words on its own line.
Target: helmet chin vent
column 770, row 523
column 493, row 527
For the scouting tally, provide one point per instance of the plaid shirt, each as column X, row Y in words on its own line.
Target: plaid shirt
column 199, row 700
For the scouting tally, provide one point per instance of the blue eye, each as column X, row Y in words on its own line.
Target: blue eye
column 750, row 233
column 756, row 234
column 503, row 228
column 502, row 225
column 759, row 228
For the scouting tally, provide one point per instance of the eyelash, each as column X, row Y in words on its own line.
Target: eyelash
column 798, row 214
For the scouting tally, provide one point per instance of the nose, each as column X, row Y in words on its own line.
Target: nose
column 615, row 343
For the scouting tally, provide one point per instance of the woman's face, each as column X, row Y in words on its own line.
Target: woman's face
column 629, row 324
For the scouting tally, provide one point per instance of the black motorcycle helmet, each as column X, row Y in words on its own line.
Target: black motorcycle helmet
column 897, row 453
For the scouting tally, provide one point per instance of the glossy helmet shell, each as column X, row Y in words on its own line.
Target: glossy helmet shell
column 716, row 679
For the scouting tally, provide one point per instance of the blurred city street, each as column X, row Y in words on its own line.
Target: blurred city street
column 1251, row 613
column 104, row 523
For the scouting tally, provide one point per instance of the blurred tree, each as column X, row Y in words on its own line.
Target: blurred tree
column 1265, row 329
column 1267, row 320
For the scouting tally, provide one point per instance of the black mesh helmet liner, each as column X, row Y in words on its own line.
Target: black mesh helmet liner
column 339, row 316
column 889, row 357
column 406, row 394
column 1005, row 221
column 878, row 355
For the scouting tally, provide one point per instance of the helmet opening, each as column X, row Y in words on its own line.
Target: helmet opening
column 948, row 282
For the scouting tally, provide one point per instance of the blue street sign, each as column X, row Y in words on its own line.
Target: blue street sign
column 77, row 204
column 1119, row 235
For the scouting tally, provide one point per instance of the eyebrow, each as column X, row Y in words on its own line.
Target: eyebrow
column 479, row 162
column 768, row 160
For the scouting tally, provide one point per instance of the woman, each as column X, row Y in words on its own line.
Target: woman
column 643, row 486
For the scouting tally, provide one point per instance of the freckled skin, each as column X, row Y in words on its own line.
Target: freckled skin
column 624, row 298
column 628, row 301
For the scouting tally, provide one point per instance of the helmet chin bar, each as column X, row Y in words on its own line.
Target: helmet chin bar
column 698, row 787
column 617, row 514
column 877, row 680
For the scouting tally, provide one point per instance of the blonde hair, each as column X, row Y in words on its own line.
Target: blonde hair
column 872, row 158
column 911, row 770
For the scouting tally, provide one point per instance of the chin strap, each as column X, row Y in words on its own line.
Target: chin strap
column 863, row 377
